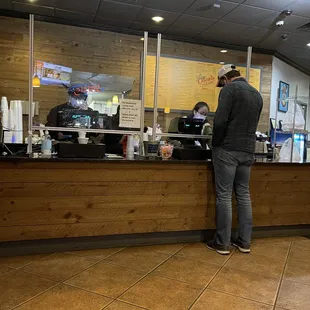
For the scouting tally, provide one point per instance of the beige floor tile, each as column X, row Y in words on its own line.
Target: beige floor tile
column 300, row 250
column 138, row 258
column 64, row 297
column 106, row 279
column 246, row 284
column 220, row 301
column 302, row 242
column 59, row 267
column 98, row 253
column 278, row 251
column 158, row 293
column 300, row 238
column 294, row 296
column 199, row 252
column 263, row 265
column 117, row 305
column 4, row 269
column 165, row 248
column 285, row 241
column 17, row 287
column 20, row 261
column 187, row 270
column 298, row 271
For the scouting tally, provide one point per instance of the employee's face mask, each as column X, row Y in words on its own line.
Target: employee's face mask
column 80, row 104
column 197, row 115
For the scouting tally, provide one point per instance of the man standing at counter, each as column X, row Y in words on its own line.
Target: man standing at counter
column 233, row 143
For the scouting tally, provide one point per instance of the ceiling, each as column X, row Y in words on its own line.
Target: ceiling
column 234, row 23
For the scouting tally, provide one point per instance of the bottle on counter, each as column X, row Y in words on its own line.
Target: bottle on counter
column 46, row 145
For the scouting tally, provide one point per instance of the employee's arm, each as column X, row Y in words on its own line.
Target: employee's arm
column 220, row 123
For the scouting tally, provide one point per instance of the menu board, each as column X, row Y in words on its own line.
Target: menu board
column 130, row 113
column 182, row 83
column 51, row 74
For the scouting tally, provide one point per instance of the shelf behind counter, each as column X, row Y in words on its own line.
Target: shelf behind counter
column 63, row 198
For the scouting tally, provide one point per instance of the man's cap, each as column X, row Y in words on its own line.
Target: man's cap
column 225, row 69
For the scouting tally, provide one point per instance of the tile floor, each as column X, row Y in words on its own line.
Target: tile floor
column 275, row 276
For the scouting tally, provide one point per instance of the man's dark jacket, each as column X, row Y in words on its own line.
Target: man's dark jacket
column 237, row 117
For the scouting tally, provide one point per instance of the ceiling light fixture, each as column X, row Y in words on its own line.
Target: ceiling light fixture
column 142, row 39
column 157, row 19
column 287, row 12
column 224, row 51
column 284, row 36
column 308, row 44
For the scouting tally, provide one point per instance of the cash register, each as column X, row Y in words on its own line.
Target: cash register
column 190, row 150
column 84, row 119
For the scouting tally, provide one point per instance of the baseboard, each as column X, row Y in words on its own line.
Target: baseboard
column 29, row 247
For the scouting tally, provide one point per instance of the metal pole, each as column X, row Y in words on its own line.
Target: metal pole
column 143, row 84
column 275, row 130
column 294, row 117
column 248, row 64
column 30, row 99
column 156, row 86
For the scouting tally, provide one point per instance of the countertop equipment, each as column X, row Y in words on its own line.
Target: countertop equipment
column 74, row 150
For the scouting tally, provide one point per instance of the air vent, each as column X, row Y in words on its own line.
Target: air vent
column 304, row 28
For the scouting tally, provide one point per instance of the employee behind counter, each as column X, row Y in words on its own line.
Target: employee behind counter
column 61, row 116
column 195, row 123
column 77, row 102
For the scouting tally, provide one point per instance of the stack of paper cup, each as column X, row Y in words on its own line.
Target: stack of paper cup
column 5, row 113
column 17, row 119
column 130, row 148
column 7, row 136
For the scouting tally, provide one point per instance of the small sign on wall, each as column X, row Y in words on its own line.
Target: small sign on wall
column 130, row 113
column 284, row 93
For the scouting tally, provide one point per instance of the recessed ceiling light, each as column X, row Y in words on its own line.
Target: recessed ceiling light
column 157, row 19
column 224, row 51
column 308, row 44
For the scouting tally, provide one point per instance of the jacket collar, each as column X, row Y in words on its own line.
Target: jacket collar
column 239, row 79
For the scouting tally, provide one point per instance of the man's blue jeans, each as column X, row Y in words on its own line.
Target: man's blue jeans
column 232, row 172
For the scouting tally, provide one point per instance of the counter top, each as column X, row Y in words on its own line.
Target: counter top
column 121, row 161
column 98, row 160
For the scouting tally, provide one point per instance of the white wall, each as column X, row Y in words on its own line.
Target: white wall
column 286, row 73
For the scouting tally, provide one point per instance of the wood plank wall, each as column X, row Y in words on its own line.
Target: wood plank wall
column 41, row 200
column 99, row 52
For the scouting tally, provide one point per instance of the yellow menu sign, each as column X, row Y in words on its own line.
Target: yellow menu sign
column 182, row 83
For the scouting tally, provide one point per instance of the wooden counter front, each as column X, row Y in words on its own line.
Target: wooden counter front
column 51, row 199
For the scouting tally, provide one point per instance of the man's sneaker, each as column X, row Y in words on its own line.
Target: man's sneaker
column 221, row 249
column 243, row 248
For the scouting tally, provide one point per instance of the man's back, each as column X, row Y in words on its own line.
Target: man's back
column 237, row 117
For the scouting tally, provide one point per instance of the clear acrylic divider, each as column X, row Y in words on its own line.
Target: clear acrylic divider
column 288, row 129
column 86, row 81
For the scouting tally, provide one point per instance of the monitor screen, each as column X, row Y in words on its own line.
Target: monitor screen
column 77, row 118
column 190, row 126
column 273, row 123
